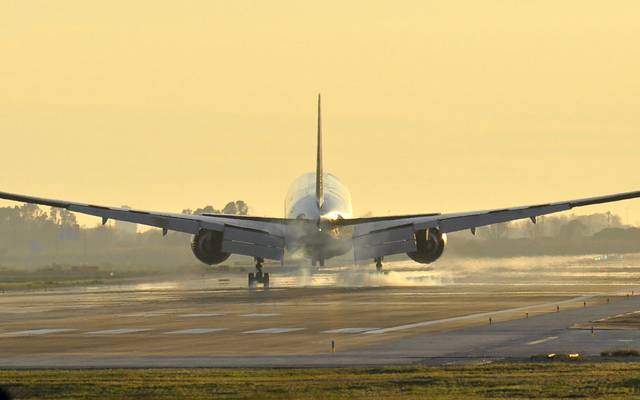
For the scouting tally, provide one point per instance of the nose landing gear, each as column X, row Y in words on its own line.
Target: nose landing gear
column 258, row 276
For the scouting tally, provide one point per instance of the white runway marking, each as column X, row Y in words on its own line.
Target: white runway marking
column 275, row 330
column 625, row 340
column 146, row 314
column 118, row 331
column 474, row 316
column 194, row 331
column 350, row 330
column 259, row 315
column 202, row 315
column 539, row 341
column 32, row 332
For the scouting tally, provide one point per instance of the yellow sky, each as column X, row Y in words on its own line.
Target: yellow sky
column 428, row 105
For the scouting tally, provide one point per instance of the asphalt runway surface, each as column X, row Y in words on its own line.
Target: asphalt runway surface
column 511, row 309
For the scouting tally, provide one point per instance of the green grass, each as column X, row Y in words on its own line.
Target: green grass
column 492, row 381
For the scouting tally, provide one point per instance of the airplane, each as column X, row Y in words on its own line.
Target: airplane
column 319, row 222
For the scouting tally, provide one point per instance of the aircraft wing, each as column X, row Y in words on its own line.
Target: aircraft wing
column 380, row 236
column 251, row 236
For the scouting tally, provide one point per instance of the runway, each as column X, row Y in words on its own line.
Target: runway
column 186, row 324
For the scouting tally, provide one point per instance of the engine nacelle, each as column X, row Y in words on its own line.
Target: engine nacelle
column 430, row 244
column 207, row 247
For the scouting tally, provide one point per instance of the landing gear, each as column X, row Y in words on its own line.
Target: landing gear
column 317, row 261
column 378, row 261
column 258, row 276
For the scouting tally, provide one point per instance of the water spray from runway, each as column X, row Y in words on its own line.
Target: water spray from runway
column 548, row 271
column 558, row 270
column 398, row 274
column 357, row 278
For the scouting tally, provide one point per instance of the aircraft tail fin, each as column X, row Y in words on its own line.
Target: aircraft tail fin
column 319, row 170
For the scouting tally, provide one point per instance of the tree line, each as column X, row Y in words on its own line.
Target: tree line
column 32, row 237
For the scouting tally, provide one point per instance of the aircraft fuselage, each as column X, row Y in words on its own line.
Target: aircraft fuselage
column 324, row 241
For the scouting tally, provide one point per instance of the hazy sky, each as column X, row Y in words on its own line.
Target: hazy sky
column 428, row 106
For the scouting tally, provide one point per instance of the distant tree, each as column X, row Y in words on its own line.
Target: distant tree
column 61, row 216
column 238, row 207
column 205, row 210
column 32, row 212
column 573, row 229
column 67, row 218
column 54, row 215
column 230, row 208
column 242, row 207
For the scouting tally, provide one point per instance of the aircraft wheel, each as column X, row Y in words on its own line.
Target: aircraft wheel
column 265, row 280
column 252, row 280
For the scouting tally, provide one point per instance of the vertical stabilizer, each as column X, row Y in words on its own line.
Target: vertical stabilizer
column 319, row 172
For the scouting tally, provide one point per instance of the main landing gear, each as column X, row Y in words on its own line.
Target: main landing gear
column 258, row 276
column 378, row 261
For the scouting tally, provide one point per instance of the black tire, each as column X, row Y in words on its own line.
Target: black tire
column 252, row 280
column 265, row 280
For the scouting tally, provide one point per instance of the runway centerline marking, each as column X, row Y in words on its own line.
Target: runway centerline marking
column 32, row 332
column 275, row 330
column 540, row 341
column 118, row 331
column 202, row 315
column 350, row 330
column 474, row 316
column 259, row 315
column 146, row 314
column 195, row 331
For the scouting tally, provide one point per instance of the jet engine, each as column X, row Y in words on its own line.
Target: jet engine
column 430, row 243
column 207, row 247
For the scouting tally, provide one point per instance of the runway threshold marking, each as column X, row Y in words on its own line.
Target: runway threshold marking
column 118, row 331
column 473, row 316
column 195, row 331
column 32, row 332
column 275, row 330
column 540, row 341
column 350, row 330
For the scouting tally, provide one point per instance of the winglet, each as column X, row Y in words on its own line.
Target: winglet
column 319, row 171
